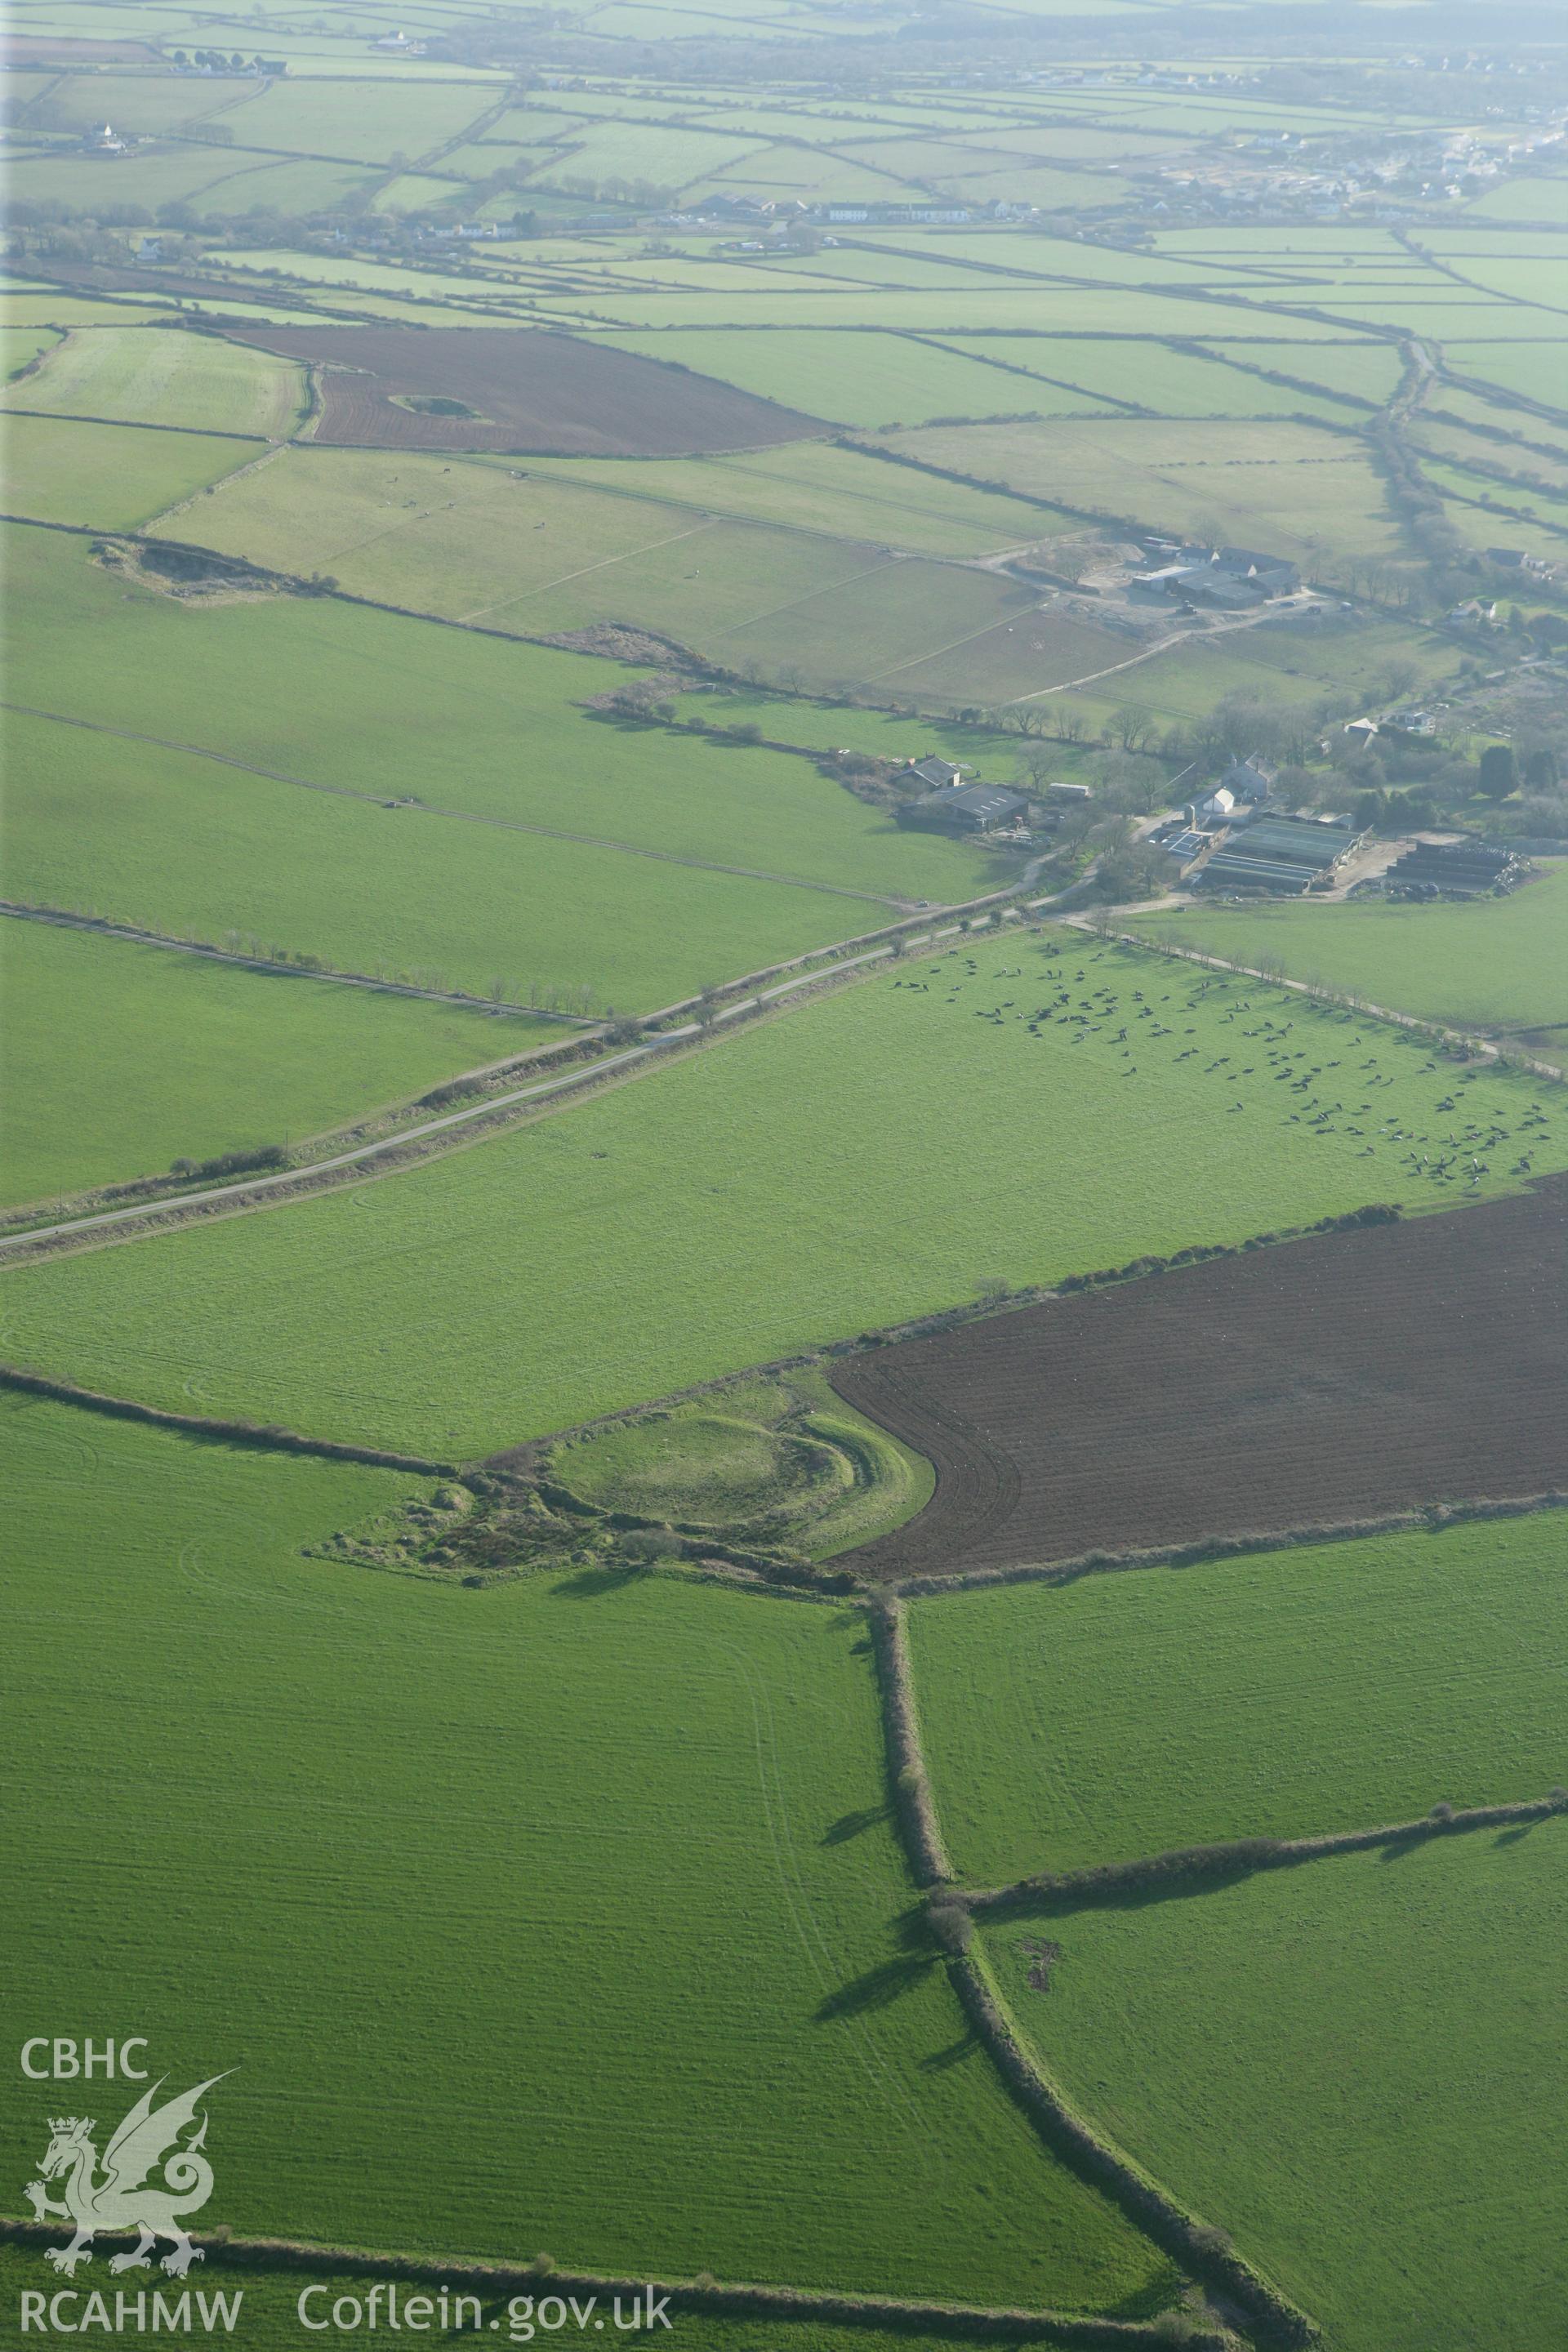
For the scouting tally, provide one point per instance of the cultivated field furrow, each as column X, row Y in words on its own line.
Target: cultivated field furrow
column 1342, row 1377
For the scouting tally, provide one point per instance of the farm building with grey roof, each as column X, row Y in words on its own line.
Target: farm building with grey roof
column 965, row 808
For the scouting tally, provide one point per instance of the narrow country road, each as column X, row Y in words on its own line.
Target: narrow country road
column 571, row 1081
column 289, row 1181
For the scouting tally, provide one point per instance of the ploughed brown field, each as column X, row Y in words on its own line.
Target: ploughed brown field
column 1307, row 1384
column 532, row 393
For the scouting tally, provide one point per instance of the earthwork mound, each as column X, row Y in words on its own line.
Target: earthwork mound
column 1339, row 1378
column 523, row 391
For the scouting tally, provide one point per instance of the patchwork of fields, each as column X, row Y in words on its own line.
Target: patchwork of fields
column 396, row 758
column 493, row 512
column 1390, row 2006
column 770, row 1195
column 1280, row 1694
column 408, row 1801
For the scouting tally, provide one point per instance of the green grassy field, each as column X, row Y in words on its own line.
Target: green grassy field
column 387, row 707
column 1534, row 200
column 826, row 486
column 1532, row 369
column 50, row 306
column 1498, row 964
column 567, row 546
column 360, row 121
column 1356, row 2068
column 157, row 838
column 114, row 476
column 155, row 376
column 499, row 1964
column 535, row 554
column 1278, row 1695
column 1366, row 371
column 769, row 1195
column 19, row 346
column 669, row 157
column 1262, row 483
column 1151, row 376
column 867, row 380
column 139, row 104
column 128, row 1057
column 381, row 706
column 1009, row 650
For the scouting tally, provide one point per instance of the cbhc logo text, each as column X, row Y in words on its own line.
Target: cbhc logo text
column 61, row 2061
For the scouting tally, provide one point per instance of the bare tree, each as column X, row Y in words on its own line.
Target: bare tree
column 1131, row 728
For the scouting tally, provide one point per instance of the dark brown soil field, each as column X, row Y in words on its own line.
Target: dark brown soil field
column 1339, row 1378
column 92, row 278
column 534, row 394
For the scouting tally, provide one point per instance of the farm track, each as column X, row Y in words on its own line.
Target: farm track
column 386, row 1155
column 792, row 979
column 458, row 816
column 1345, row 1375
column 1210, row 635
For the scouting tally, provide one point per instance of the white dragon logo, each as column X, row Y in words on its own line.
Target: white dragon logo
column 121, row 2200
